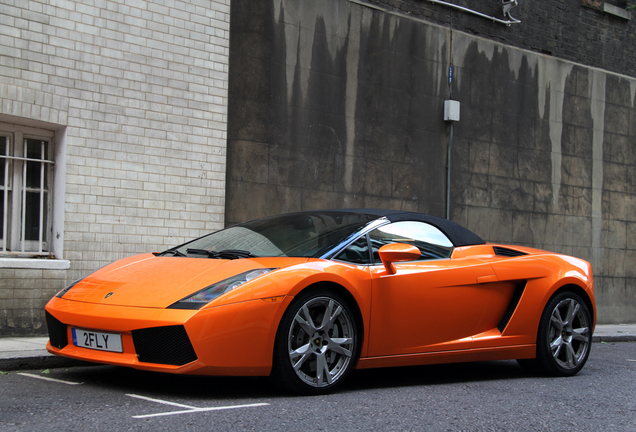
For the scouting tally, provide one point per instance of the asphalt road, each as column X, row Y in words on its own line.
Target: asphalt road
column 488, row 396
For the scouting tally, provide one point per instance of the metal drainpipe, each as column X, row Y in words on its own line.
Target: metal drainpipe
column 448, row 172
column 450, row 135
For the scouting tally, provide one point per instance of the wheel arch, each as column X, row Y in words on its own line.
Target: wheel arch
column 578, row 290
column 351, row 302
column 549, row 360
column 283, row 373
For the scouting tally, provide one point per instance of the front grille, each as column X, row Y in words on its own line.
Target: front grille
column 507, row 252
column 57, row 331
column 168, row 345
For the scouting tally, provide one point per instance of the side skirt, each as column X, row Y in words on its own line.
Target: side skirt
column 471, row 355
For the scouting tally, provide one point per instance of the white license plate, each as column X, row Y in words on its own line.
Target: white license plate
column 97, row 340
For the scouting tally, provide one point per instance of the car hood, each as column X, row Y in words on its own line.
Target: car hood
column 157, row 282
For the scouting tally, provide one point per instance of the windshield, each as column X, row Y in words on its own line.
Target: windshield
column 292, row 235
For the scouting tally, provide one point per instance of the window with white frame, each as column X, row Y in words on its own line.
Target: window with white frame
column 26, row 170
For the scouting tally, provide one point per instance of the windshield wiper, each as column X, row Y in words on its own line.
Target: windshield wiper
column 227, row 254
column 173, row 252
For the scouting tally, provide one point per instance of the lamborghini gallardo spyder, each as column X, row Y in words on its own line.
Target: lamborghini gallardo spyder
column 306, row 297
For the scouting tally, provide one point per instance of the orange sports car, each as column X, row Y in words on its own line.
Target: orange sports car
column 305, row 297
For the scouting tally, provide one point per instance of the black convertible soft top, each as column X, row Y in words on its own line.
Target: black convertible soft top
column 456, row 233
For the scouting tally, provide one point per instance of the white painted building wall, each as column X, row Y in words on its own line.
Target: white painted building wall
column 135, row 94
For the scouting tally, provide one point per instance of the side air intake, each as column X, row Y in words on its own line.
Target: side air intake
column 512, row 306
column 501, row 251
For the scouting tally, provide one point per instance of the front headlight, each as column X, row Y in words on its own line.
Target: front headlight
column 209, row 293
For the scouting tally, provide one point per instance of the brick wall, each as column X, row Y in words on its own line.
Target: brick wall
column 140, row 91
column 561, row 28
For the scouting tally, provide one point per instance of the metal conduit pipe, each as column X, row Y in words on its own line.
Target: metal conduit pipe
column 448, row 172
column 507, row 5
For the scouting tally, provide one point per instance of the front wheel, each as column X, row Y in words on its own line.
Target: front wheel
column 316, row 344
column 565, row 335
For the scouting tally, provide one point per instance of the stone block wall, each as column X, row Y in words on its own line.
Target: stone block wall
column 566, row 29
column 337, row 104
column 137, row 94
column 542, row 158
column 330, row 107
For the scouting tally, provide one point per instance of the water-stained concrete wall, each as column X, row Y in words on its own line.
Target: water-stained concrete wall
column 334, row 104
column 545, row 156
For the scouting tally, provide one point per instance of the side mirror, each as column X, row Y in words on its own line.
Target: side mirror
column 396, row 252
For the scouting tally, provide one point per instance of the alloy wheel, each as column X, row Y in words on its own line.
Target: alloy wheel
column 321, row 342
column 569, row 334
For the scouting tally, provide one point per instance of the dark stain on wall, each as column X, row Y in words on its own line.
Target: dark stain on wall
column 334, row 105
column 294, row 140
column 564, row 29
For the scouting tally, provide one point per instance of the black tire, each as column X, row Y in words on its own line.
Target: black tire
column 314, row 355
column 564, row 338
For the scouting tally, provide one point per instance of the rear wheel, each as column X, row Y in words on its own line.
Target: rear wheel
column 316, row 344
column 564, row 338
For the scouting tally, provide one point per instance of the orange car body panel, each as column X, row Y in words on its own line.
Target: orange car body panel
column 434, row 311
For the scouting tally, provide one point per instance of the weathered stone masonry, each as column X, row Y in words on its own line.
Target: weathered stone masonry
column 565, row 29
column 335, row 104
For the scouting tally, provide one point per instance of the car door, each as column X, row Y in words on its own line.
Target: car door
column 432, row 304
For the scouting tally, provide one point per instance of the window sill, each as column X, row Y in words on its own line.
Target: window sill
column 607, row 8
column 31, row 263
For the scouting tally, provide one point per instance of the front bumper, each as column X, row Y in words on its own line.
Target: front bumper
column 235, row 339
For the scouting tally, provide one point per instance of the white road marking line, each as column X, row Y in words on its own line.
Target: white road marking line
column 631, row 360
column 48, row 379
column 162, row 401
column 201, row 410
column 190, row 409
